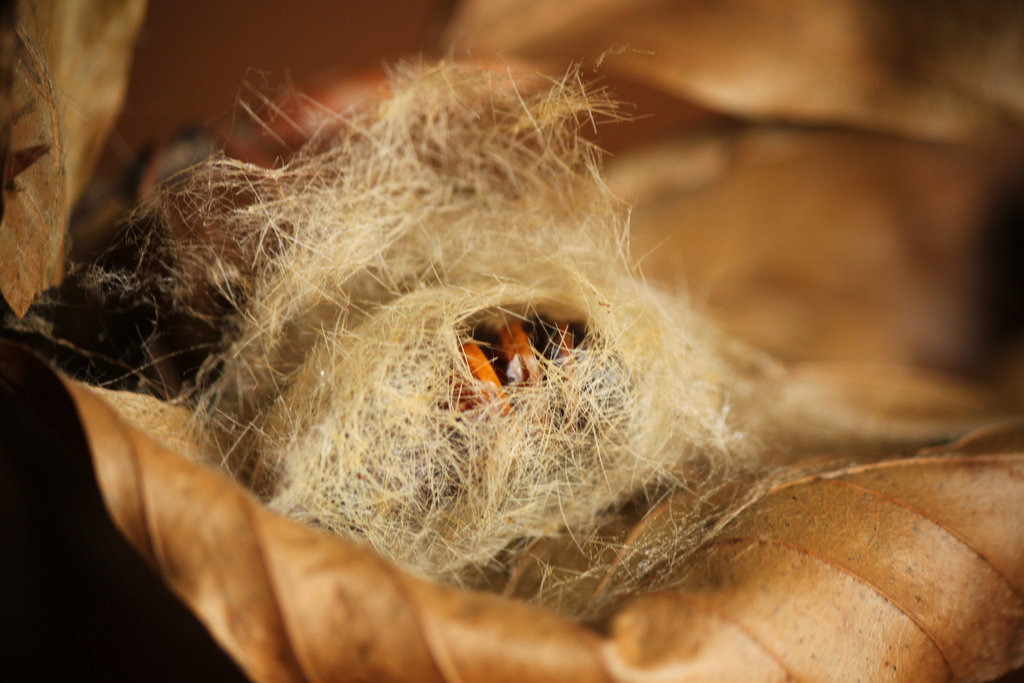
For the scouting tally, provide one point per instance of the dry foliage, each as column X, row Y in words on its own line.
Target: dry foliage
column 821, row 244
column 906, row 569
column 70, row 71
column 924, row 69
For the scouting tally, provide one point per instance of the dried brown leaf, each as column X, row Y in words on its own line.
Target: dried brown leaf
column 171, row 424
column 70, row 77
column 903, row 570
column 8, row 59
column 867, row 409
column 935, row 69
column 818, row 244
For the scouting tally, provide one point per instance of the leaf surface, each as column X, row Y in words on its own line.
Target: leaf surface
column 70, row 75
column 935, row 69
column 818, row 244
column 906, row 569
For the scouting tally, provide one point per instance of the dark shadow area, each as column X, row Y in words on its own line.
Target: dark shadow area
column 78, row 602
